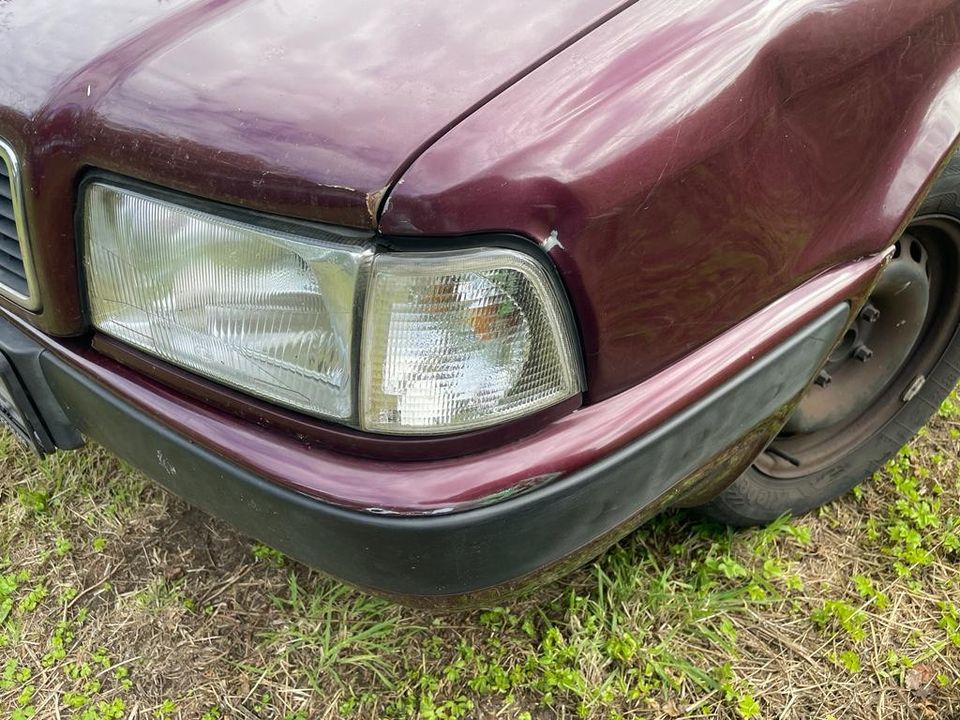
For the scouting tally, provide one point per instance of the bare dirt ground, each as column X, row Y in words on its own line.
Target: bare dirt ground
column 117, row 600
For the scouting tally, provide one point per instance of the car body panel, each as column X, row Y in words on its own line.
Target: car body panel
column 299, row 108
column 668, row 231
column 708, row 176
column 688, row 162
column 616, row 128
column 451, row 484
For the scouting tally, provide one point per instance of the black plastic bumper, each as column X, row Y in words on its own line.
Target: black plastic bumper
column 437, row 556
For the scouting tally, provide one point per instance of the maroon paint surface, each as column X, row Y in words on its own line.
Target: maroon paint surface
column 568, row 444
column 303, row 108
column 697, row 160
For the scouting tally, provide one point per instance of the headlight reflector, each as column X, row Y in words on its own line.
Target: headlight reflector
column 456, row 341
column 264, row 311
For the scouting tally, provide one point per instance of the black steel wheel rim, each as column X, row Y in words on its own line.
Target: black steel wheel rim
column 883, row 360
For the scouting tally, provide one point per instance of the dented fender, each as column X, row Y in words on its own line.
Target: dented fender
column 686, row 163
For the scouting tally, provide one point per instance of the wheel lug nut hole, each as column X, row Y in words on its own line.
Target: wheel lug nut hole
column 916, row 251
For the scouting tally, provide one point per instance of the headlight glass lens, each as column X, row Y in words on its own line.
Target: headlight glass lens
column 462, row 340
column 264, row 311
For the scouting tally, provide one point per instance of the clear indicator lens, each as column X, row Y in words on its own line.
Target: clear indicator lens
column 458, row 341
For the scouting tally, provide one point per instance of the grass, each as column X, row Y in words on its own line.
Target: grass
column 117, row 600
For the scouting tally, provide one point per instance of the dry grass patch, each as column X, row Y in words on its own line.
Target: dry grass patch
column 117, row 600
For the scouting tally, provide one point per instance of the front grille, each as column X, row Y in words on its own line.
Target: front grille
column 13, row 273
column 15, row 270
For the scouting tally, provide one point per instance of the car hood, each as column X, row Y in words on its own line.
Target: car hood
column 307, row 107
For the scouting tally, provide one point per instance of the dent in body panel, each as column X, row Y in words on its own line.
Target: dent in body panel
column 701, row 159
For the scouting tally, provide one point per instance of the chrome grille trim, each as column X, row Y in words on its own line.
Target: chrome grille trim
column 18, row 280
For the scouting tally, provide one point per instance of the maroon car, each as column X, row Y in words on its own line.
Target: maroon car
column 445, row 297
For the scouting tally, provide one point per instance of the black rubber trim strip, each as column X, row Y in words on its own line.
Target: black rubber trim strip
column 464, row 552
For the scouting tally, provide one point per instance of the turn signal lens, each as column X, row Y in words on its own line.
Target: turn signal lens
column 456, row 341
column 261, row 310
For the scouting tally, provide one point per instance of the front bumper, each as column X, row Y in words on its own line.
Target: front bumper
column 440, row 558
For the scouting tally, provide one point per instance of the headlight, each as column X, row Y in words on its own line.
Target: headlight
column 462, row 340
column 450, row 341
column 260, row 310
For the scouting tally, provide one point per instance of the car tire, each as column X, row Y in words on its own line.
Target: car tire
column 817, row 460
